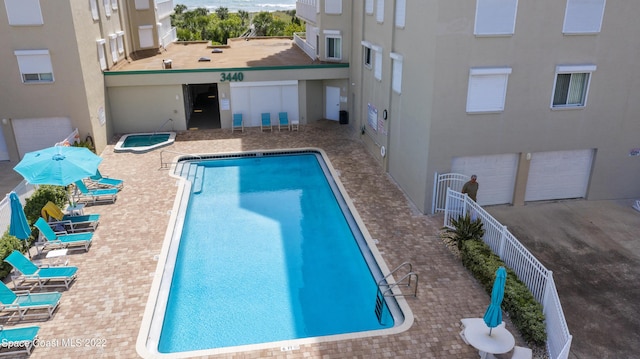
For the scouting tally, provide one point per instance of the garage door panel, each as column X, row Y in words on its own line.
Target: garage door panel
column 253, row 99
column 34, row 134
column 558, row 175
column 496, row 176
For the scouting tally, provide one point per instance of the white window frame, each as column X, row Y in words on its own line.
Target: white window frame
column 120, row 41
column 94, row 9
column 401, row 13
column 332, row 35
column 35, row 66
column 487, row 89
column 368, row 7
column 113, row 46
column 367, row 58
column 142, row 4
column 380, row 11
column 333, row 7
column 107, row 7
column 572, row 70
column 495, row 17
column 583, row 17
column 24, row 12
column 102, row 57
column 396, row 72
column 377, row 62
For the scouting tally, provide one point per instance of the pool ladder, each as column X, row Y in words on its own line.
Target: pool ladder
column 388, row 288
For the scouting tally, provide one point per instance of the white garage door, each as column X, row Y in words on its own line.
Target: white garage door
column 557, row 175
column 37, row 133
column 496, row 176
column 4, row 153
column 251, row 99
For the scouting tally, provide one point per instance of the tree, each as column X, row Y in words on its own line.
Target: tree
column 223, row 13
column 179, row 9
column 262, row 21
column 244, row 16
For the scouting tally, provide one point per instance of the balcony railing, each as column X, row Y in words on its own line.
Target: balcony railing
column 307, row 10
column 169, row 37
column 300, row 39
column 164, row 8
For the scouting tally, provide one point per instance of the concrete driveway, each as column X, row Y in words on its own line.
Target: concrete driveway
column 592, row 247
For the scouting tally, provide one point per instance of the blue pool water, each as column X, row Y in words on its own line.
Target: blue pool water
column 145, row 140
column 266, row 254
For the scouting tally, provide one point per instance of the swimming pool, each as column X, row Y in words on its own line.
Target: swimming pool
column 144, row 142
column 270, row 274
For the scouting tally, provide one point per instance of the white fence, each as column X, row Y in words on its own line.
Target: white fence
column 524, row 264
column 300, row 39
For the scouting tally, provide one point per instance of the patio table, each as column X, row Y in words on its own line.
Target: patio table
column 500, row 341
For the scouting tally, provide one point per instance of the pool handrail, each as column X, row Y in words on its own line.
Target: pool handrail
column 166, row 164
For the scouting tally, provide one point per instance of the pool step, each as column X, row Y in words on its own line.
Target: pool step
column 198, row 180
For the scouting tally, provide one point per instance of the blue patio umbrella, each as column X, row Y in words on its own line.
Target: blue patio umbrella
column 18, row 226
column 58, row 165
column 493, row 315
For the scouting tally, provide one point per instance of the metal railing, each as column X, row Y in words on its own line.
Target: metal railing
column 405, row 281
column 442, row 181
column 164, row 164
column 530, row 271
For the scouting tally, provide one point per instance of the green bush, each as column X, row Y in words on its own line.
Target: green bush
column 7, row 244
column 525, row 312
column 40, row 197
column 465, row 229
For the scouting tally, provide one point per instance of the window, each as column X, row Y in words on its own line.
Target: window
column 333, row 44
column 366, row 53
column 583, row 16
column 35, row 65
column 114, row 4
column 94, row 9
column 142, row 4
column 120, row 41
column 24, row 12
column 380, row 11
column 401, row 12
column 101, row 56
column 107, row 7
column 495, row 17
column 368, row 7
column 396, row 79
column 333, row 6
column 113, row 46
column 487, row 89
column 571, row 86
column 377, row 63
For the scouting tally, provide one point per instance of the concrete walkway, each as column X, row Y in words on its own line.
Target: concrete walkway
column 592, row 247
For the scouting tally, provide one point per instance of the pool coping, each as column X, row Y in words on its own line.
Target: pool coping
column 183, row 189
column 119, row 147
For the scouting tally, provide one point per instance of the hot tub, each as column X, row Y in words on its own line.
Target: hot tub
column 144, row 142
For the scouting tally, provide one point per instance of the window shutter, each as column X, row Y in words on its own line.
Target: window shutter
column 495, row 17
column 380, row 11
column 101, row 55
column 94, row 9
column 487, row 89
column 34, row 61
column 401, row 12
column 377, row 65
column 583, row 16
column 107, row 7
column 396, row 81
column 333, row 6
column 24, row 12
column 142, row 4
column 368, row 8
column 113, row 47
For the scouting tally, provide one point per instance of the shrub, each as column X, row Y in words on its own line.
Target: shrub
column 40, row 197
column 465, row 229
column 7, row 244
column 525, row 312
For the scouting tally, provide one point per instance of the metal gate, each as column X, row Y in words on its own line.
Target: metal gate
column 441, row 182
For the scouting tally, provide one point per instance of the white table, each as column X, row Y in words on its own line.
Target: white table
column 500, row 341
column 76, row 210
column 57, row 257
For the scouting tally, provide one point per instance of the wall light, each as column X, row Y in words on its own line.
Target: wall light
column 4, row 121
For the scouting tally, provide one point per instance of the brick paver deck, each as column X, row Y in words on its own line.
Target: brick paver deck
column 107, row 301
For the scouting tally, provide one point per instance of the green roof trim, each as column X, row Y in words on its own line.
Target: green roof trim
column 228, row 69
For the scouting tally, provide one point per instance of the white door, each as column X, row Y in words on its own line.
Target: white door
column 558, row 175
column 496, row 176
column 4, row 153
column 251, row 99
column 37, row 133
column 332, row 108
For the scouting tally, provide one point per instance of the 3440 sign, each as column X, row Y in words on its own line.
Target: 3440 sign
column 231, row 76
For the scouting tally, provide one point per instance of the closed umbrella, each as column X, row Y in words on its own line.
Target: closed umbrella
column 493, row 315
column 18, row 226
column 58, row 165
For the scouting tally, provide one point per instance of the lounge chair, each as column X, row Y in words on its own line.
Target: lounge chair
column 266, row 121
column 49, row 239
column 22, row 302
column 237, row 122
column 100, row 181
column 17, row 341
column 56, row 218
column 25, row 272
column 283, row 118
column 86, row 195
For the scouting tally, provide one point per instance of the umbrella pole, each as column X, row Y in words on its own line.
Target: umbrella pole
column 490, row 329
column 27, row 247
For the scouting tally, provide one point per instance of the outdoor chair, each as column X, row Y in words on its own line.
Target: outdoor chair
column 266, row 122
column 237, row 122
column 92, row 196
column 283, row 121
column 56, row 218
column 18, row 341
column 99, row 181
column 25, row 304
column 26, row 273
column 49, row 239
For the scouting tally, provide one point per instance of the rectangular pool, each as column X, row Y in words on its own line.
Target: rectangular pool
column 269, row 252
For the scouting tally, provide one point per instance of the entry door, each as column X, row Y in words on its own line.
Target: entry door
column 332, row 96
column 4, row 153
